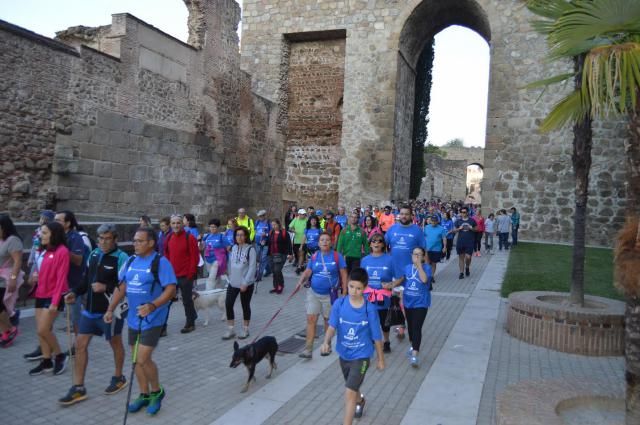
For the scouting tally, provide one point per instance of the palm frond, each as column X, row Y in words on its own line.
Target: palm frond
column 550, row 9
column 549, row 81
column 569, row 110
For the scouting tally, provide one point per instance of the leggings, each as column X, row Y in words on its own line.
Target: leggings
column 245, row 300
column 449, row 247
column 415, row 320
column 478, row 242
column 382, row 314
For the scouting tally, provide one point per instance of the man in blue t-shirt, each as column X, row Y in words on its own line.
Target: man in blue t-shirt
column 435, row 242
column 341, row 217
column 262, row 229
column 402, row 238
column 148, row 300
column 356, row 323
column 465, row 228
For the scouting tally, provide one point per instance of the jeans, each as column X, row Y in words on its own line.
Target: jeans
column 277, row 262
column 245, row 300
column 415, row 320
column 186, row 290
column 514, row 235
column 503, row 240
column 488, row 241
column 212, row 280
column 261, row 257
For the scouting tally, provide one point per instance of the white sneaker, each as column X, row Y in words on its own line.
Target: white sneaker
column 244, row 334
column 229, row 335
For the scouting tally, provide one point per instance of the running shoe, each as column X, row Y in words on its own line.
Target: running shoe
column 306, row 354
column 139, row 403
column 467, row 272
column 45, row 366
column 34, row 355
column 414, row 362
column 244, row 334
column 359, row 408
column 117, row 383
column 409, row 352
column 461, row 276
column 60, row 363
column 187, row 329
column 155, row 402
column 76, row 394
column 7, row 338
column 387, row 347
column 229, row 335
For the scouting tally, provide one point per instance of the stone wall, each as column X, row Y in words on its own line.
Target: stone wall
column 445, row 179
column 147, row 124
column 522, row 167
column 316, row 86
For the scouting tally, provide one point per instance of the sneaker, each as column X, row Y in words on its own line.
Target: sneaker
column 279, row 290
column 467, row 272
column 7, row 338
column 409, row 352
column 71, row 352
column 76, row 394
column 433, row 280
column 34, row 355
column 117, row 383
column 387, row 347
column 229, row 335
column 306, row 354
column 139, row 403
column 155, row 402
column 244, row 334
column 359, row 408
column 60, row 363
column 273, row 291
column 15, row 319
column 479, row 254
column 414, row 362
column 45, row 366
column 461, row 276
column 187, row 329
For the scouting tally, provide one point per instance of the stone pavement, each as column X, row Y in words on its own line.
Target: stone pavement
column 202, row 389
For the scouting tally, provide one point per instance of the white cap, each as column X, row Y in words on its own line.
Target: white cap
column 302, row 211
column 262, row 212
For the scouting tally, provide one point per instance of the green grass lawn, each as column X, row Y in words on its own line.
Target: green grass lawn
column 541, row 267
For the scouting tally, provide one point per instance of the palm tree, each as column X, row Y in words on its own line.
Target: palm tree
column 603, row 36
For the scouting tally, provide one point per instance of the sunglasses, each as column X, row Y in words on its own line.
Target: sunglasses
column 377, row 241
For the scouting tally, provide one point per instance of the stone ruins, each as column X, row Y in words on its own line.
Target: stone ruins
column 317, row 108
column 448, row 178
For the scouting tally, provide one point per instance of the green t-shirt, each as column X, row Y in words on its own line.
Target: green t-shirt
column 298, row 226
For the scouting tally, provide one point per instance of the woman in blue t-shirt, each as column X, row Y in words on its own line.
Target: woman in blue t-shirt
column 214, row 245
column 447, row 223
column 310, row 239
column 416, row 299
column 379, row 267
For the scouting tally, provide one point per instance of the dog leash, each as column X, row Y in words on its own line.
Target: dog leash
column 295, row 291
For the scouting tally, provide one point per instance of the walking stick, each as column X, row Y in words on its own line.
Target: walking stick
column 134, row 358
column 70, row 340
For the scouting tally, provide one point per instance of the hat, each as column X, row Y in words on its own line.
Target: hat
column 318, row 212
column 302, row 211
column 48, row 214
column 435, row 217
column 262, row 212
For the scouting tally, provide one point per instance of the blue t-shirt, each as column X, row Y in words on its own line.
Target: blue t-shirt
column 228, row 235
column 263, row 227
column 212, row 241
column 379, row 269
column 325, row 271
column 139, row 280
column 341, row 220
column 76, row 246
column 448, row 226
column 403, row 240
column 433, row 236
column 356, row 329
column 416, row 292
column 313, row 237
column 466, row 236
column 193, row 230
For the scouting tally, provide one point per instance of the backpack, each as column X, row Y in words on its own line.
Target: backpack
column 155, row 266
column 85, row 237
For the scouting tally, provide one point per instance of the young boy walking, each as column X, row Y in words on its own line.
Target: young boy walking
column 358, row 328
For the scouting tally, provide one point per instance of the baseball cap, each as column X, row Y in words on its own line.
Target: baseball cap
column 262, row 212
column 302, row 211
column 48, row 214
column 318, row 212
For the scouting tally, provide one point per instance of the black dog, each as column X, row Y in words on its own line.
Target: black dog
column 251, row 355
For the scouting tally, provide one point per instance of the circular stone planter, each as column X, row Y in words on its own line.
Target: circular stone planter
column 544, row 319
column 561, row 402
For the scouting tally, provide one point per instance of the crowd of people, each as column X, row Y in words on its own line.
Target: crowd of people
column 383, row 257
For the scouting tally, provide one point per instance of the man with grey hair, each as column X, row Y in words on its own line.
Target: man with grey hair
column 99, row 283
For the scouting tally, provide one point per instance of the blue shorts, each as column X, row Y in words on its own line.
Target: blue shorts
column 464, row 249
column 98, row 327
column 434, row 256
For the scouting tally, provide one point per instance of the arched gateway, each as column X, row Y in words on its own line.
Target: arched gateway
column 343, row 74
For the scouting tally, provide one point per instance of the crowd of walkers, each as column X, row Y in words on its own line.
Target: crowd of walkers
column 378, row 263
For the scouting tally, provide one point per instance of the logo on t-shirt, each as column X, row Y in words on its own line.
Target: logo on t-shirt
column 351, row 334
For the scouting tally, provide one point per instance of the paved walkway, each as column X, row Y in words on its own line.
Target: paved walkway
column 463, row 368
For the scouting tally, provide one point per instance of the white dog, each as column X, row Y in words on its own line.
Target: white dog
column 210, row 297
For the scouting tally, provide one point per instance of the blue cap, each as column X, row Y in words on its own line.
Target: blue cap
column 318, row 212
column 48, row 214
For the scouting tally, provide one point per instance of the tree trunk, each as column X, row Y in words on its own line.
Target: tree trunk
column 581, row 159
column 632, row 311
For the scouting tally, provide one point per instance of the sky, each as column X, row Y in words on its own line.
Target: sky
column 460, row 71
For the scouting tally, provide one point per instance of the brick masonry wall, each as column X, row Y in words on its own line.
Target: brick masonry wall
column 315, row 90
column 148, row 125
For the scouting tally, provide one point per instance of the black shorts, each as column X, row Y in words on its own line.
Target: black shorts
column 465, row 249
column 434, row 256
column 353, row 372
column 149, row 337
column 46, row 303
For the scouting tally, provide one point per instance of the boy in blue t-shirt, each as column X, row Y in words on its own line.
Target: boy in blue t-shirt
column 357, row 325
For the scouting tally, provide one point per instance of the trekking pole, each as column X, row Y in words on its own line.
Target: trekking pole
column 134, row 358
column 70, row 339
